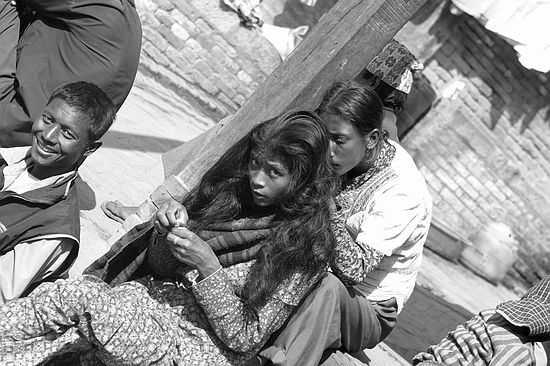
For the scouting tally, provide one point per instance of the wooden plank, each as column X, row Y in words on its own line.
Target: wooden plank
column 338, row 48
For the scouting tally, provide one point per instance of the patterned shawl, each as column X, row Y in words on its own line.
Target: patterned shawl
column 356, row 192
column 233, row 242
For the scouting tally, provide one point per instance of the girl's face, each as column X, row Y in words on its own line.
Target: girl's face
column 347, row 146
column 268, row 179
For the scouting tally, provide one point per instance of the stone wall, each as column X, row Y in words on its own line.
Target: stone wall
column 485, row 150
column 199, row 49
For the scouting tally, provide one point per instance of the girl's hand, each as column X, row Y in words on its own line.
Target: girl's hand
column 188, row 248
column 170, row 214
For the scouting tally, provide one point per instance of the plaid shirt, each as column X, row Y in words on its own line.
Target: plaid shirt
column 532, row 311
column 499, row 337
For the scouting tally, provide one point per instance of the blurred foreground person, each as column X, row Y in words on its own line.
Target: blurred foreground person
column 44, row 44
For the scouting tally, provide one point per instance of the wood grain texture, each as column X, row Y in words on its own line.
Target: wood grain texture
column 338, row 48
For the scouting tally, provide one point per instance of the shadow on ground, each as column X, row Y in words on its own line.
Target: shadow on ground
column 86, row 195
column 132, row 141
column 425, row 320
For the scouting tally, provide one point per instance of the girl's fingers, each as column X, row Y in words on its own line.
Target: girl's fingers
column 182, row 217
column 183, row 232
column 160, row 228
column 171, row 238
column 171, row 216
column 161, row 217
column 179, row 240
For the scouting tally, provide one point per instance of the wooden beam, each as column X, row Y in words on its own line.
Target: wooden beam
column 337, row 48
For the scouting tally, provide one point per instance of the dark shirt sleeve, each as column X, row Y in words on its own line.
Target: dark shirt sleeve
column 92, row 40
column 96, row 23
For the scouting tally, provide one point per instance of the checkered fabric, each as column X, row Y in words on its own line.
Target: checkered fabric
column 531, row 311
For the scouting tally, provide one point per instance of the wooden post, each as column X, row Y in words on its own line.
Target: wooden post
column 338, row 48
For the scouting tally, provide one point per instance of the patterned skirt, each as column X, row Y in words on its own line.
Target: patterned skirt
column 144, row 323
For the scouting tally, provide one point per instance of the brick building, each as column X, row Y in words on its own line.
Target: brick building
column 485, row 151
column 483, row 147
column 200, row 50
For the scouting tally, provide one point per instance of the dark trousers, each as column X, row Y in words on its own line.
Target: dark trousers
column 15, row 123
column 9, row 34
column 331, row 318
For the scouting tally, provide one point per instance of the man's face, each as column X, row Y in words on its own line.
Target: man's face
column 60, row 140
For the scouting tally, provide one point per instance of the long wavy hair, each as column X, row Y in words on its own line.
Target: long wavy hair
column 390, row 96
column 301, row 240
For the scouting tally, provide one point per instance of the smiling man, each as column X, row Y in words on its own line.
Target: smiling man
column 44, row 44
column 39, row 213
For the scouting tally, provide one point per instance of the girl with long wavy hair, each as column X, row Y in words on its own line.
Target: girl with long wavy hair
column 381, row 221
column 225, row 269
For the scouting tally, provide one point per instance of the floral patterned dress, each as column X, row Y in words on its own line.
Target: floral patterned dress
column 144, row 322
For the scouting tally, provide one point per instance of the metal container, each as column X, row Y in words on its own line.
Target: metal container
column 445, row 241
column 493, row 251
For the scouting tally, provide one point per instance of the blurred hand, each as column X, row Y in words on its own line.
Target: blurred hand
column 170, row 214
column 190, row 249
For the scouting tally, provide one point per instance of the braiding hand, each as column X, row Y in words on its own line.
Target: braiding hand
column 190, row 249
column 170, row 214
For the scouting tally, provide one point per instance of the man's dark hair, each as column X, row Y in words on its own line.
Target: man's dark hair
column 390, row 96
column 91, row 102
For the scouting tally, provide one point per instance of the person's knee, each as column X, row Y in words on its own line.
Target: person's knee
column 360, row 327
column 330, row 291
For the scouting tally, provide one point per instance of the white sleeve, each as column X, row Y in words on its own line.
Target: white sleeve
column 391, row 220
column 31, row 262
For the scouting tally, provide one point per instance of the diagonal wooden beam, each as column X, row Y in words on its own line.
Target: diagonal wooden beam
column 337, row 48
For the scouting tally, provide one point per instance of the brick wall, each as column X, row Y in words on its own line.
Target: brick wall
column 199, row 49
column 486, row 153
